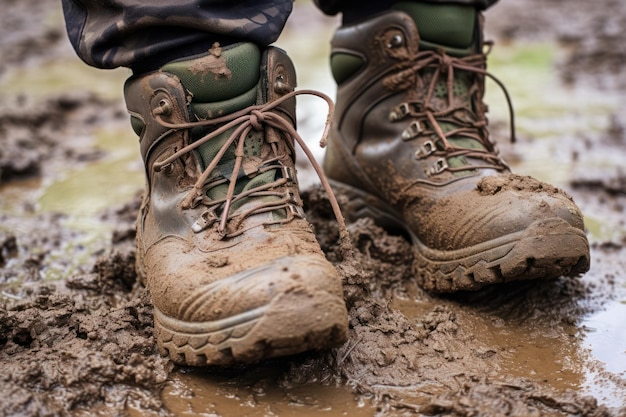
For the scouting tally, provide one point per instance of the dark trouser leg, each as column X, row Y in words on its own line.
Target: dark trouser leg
column 357, row 10
column 142, row 36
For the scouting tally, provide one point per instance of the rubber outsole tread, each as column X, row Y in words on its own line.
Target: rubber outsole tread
column 252, row 341
column 501, row 260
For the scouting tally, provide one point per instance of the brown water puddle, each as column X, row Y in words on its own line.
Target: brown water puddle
column 526, row 350
column 257, row 391
column 583, row 352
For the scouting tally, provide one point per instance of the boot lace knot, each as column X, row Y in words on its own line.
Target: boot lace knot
column 257, row 119
column 273, row 195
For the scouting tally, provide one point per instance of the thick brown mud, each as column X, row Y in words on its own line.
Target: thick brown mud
column 76, row 325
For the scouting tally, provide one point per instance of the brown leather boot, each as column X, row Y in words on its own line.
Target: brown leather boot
column 233, row 268
column 410, row 147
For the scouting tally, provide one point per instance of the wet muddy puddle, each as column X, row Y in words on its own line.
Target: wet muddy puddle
column 584, row 352
column 258, row 393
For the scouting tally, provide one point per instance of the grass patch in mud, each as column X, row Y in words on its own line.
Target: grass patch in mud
column 601, row 230
column 61, row 76
column 81, row 191
column 558, row 126
column 544, row 106
column 94, row 186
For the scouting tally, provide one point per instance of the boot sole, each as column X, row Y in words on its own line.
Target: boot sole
column 290, row 324
column 547, row 249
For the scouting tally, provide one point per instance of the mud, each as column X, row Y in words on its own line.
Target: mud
column 76, row 325
column 34, row 134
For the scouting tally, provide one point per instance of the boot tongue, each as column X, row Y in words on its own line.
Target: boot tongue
column 451, row 28
column 221, row 82
column 442, row 25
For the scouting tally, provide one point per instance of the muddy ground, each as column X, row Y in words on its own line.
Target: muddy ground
column 76, row 326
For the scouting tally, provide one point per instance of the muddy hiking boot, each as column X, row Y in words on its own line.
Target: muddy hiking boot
column 410, row 147
column 232, row 266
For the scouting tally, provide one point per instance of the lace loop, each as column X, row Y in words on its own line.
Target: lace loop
column 257, row 117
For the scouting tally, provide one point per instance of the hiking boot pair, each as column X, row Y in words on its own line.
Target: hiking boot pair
column 233, row 267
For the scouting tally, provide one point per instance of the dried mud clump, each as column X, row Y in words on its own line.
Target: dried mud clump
column 88, row 344
column 434, row 362
column 494, row 184
column 35, row 135
column 65, row 350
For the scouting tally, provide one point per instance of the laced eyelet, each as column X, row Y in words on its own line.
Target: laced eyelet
column 167, row 169
column 426, row 149
column 281, row 86
column 440, row 165
column 414, row 129
column 293, row 206
column 296, row 211
column 207, row 218
column 289, row 174
column 399, row 112
column 396, row 41
column 164, row 108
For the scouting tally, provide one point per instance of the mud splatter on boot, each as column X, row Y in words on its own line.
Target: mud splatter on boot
column 232, row 266
column 410, row 147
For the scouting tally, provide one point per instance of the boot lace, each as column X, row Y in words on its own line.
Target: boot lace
column 260, row 118
column 467, row 122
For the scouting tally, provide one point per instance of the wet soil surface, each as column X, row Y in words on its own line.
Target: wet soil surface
column 76, row 325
